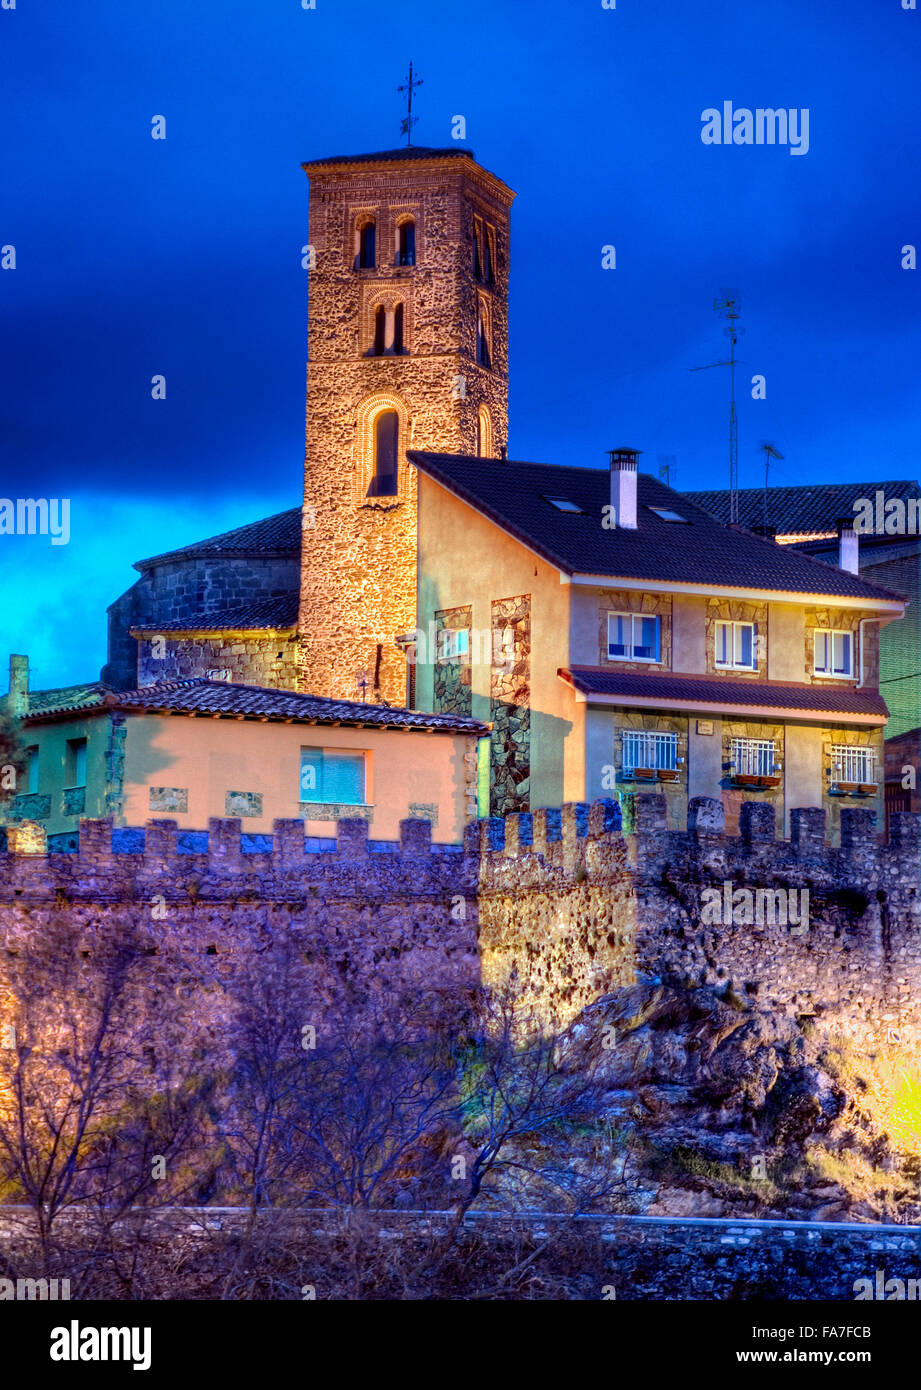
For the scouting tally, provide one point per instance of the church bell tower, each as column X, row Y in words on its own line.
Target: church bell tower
column 407, row 349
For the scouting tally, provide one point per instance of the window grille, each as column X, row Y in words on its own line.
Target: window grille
column 853, row 764
column 653, row 750
column 753, row 757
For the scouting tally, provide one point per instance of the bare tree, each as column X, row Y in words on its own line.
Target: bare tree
column 424, row 1104
column 98, row 1102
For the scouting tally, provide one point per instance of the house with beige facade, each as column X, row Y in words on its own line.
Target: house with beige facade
column 618, row 637
column 196, row 749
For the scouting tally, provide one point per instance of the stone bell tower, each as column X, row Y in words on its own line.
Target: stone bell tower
column 407, row 349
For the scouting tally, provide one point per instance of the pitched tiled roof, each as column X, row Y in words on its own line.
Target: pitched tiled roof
column 800, row 511
column 202, row 696
column 275, row 614
column 70, row 697
column 702, row 551
column 714, row 691
column 387, row 156
column 278, row 535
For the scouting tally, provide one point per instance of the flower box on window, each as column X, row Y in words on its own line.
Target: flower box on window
column 644, row 774
column 847, row 786
column 771, row 781
column 667, row 774
column 746, row 779
column 867, row 788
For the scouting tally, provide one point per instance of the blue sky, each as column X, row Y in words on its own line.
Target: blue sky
column 182, row 256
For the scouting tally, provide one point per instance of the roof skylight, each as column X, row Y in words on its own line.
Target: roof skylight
column 562, row 504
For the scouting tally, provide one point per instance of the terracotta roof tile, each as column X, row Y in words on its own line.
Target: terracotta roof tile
column 221, row 697
column 721, row 691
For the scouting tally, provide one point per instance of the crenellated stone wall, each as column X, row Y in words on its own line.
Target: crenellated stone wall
column 560, row 900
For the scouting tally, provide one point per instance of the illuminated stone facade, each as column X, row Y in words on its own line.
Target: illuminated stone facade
column 409, row 322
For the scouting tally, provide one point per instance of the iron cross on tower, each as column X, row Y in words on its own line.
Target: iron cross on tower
column 409, row 120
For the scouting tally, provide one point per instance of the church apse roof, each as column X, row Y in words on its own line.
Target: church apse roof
column 278, row 535
column 266, row 614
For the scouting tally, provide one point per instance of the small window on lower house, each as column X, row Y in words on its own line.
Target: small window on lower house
column 332, row 776
column 834, row 653
column 633, row 637
column 647, row 749
column 31, row 777
column 853, row 764
column 736, row 648
column 75, row 763
column 753, row 757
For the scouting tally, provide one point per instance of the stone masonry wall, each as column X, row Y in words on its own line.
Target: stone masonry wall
column 245, row 658
column 358, row 581
column 561, row 899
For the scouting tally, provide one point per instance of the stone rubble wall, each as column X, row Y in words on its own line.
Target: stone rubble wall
column 561, row 900
column 624, row 1258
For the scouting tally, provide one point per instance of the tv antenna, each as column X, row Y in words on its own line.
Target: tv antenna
column 668, row 469
column 727, row 307
column 409, row 120
column 769, row 453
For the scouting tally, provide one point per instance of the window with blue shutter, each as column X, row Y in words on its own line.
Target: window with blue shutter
column 331, row 776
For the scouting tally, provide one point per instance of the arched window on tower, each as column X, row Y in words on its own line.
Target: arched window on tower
column 406, row 245
column 380, row 332
column 366, row 254
column 398, row 329
column 483, row 352
column 386, row 455
column 477, row 267
column 488, row 276
column 483, row 433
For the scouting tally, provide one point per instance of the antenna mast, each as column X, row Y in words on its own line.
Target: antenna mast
column 769, row 453
column 727, row 307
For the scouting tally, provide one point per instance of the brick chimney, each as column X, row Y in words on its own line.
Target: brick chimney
column 623, row 486
column 18, row 702
column 848, row 545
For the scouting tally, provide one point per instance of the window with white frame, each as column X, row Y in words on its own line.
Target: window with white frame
column 853, row 764
column 645, row 748
column 453, row 643
column 834, row 653
column 633, row 637
column 332, row 776
column 736, row 646
column 753, row 757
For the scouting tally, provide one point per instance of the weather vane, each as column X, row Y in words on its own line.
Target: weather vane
column 409, row 120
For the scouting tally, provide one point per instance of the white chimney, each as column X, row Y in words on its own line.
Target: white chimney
column 623, row 486
column 848, row 546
